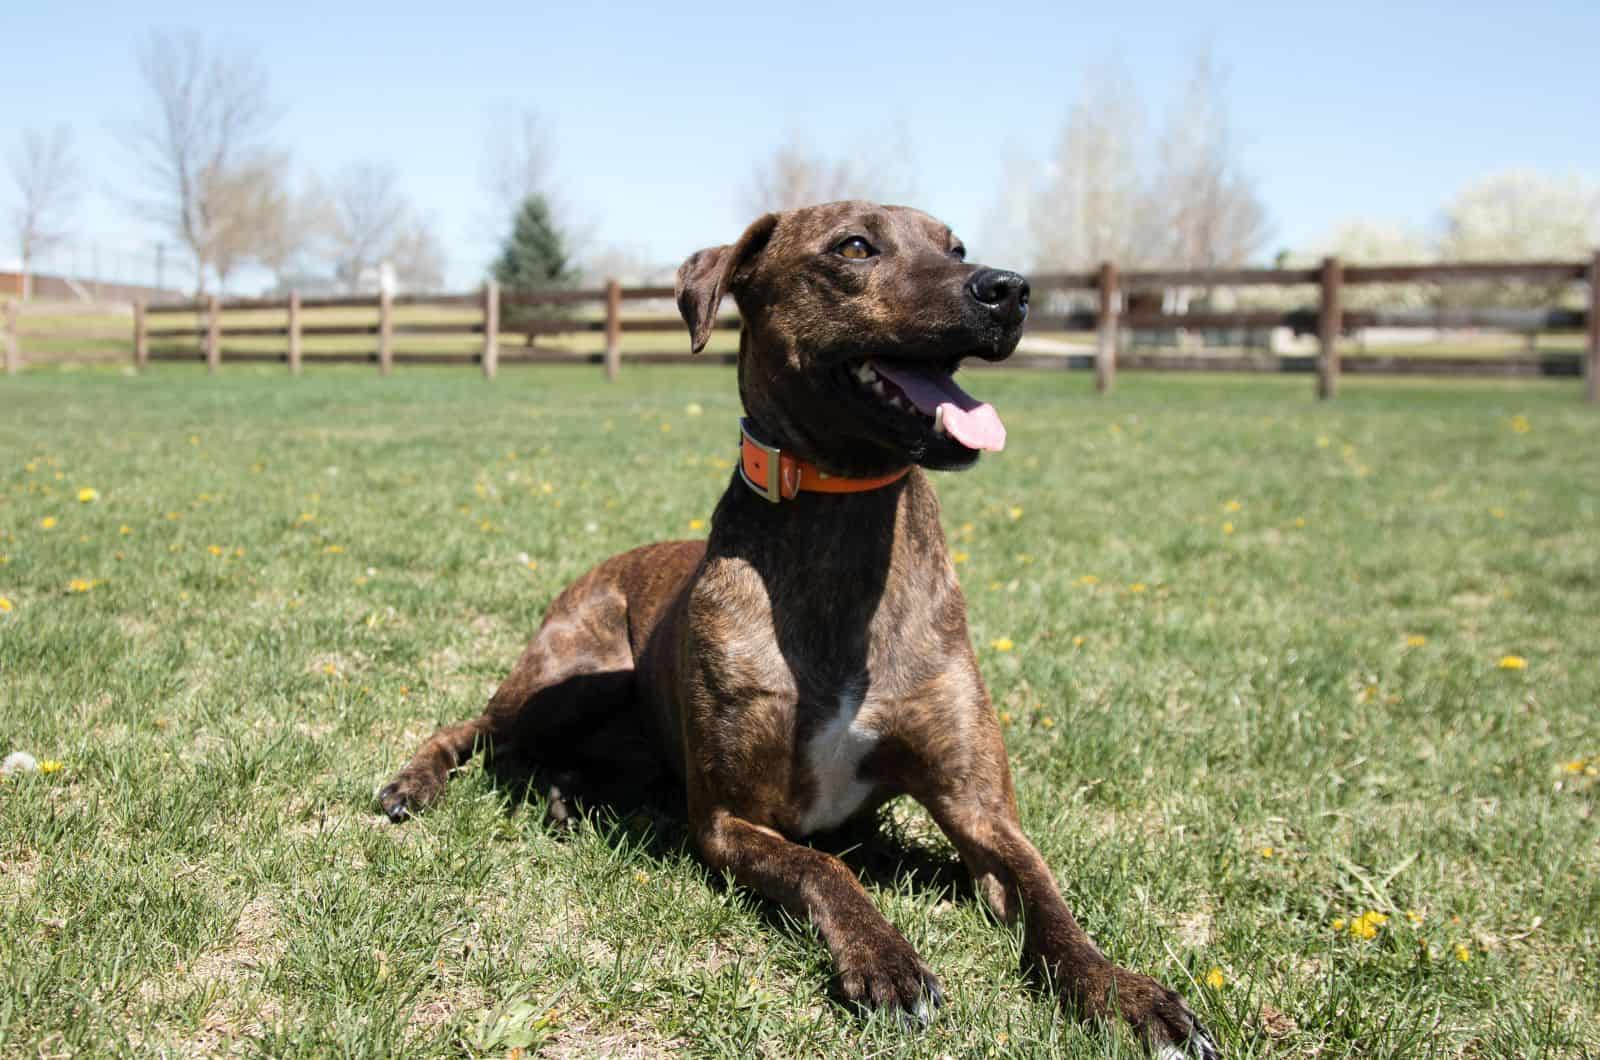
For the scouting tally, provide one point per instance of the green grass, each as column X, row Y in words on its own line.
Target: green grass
column 315, row 572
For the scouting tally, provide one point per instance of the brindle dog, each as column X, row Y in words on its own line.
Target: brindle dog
column 810, row 660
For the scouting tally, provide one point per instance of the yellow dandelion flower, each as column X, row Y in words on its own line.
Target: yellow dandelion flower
column 1005, row 717
column 546, row 487
column 47, row 523
column 1077, row 642
column 1413, row 916
column 50, row 765
column 1048, row 723
column 1513, row 662
column 194, row 439
column 329, row 668
column 1363, row 929
column 1498, row 513
column 697, row 524
column 1520, row 424
column 967, row 529
column 333, row 550
column 306, row 517
column 5, row 605
column 1463, row 954
column 1088, row 579
column 1300, row 523
column 124, row 529
column 1574, row 767
column 215, row 550
column 1136, row 587
column 1015, row 512
column 1002, row 644
column 1227, row 528
column 532, row 564
column 1338, row 923
column 958, row 557
column 1323, row 441
column 1023, row 558
column 1214, row 979
column 665, row 427
column 79, row 585
column 88, row 494
column 1416, row 640
column 1232, row 506
column 1266, row 852
column 641, row 876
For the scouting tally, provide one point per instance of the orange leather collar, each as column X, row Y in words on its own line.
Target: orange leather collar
column 757, row 461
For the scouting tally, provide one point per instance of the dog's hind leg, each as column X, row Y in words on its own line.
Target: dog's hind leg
column 576, row 673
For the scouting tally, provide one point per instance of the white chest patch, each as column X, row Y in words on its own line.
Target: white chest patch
column 835, row 755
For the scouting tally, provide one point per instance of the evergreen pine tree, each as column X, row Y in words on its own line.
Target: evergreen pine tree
column 533, row 255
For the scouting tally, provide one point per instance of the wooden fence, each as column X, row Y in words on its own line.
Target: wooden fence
column 489, row 315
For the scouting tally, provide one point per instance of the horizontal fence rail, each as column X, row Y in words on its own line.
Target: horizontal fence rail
column 489, row 323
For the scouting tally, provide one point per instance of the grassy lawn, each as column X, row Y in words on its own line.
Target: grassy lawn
column 1256, row 659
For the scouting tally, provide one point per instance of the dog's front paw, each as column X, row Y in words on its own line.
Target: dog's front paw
column 885, row 973
column 1160, row 1016
column 404, row 796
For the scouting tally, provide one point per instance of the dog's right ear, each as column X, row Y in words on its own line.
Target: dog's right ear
column 708, row 274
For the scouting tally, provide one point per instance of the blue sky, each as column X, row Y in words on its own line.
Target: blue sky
column 659, row 112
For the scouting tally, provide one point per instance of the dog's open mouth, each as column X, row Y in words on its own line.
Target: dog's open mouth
column 927, row 390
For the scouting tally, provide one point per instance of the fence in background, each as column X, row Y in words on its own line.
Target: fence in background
column 490, row 315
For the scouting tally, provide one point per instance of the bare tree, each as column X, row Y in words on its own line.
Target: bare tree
column 1207, row 205
column 518, row 162
column 301, row 234
column 48, row 185
column 206, row 118
column 369, row 212
column 798, row 174
column 417, row 256
column 1093, row 205
column 251, row 206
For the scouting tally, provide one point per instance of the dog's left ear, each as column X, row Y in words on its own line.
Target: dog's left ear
column 708, row 274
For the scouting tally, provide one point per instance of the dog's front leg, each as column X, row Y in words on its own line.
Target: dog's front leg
column 981, row 820
column 875, row 966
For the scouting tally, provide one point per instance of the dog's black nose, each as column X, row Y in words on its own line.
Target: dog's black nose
column 1004, row 292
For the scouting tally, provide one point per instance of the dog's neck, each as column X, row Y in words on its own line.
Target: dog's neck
column 778, row 476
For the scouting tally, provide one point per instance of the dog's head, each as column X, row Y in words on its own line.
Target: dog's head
column 855, row 316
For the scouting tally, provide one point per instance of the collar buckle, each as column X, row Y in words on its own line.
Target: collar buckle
column 773, row 490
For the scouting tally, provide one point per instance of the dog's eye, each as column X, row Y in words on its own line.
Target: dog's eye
column 958, row 252
column 855, row 248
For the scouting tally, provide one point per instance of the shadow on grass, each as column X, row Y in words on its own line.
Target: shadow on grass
column 651, row 817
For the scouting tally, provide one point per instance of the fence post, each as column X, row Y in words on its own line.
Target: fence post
column 213, row 334
column 1591, row 389
column 1105, row 354
column 1330, row 321
column 385, row 331
column 491, row 328
column 141, row 337
column 13, row 350
column 294, row 332
column 613, row 329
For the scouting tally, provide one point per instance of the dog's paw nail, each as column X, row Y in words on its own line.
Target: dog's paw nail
column 1201, row 1045
column 395, row 804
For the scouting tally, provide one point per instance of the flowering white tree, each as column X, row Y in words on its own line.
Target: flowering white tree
column 1521, row 215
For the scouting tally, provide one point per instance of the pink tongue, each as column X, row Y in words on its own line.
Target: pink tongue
column 969, row 421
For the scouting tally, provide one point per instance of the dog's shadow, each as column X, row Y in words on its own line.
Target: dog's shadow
column 652, row 818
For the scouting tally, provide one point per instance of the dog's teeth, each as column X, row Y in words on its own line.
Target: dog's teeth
column 877, row 388
column 865, row 373
column 938, row 420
